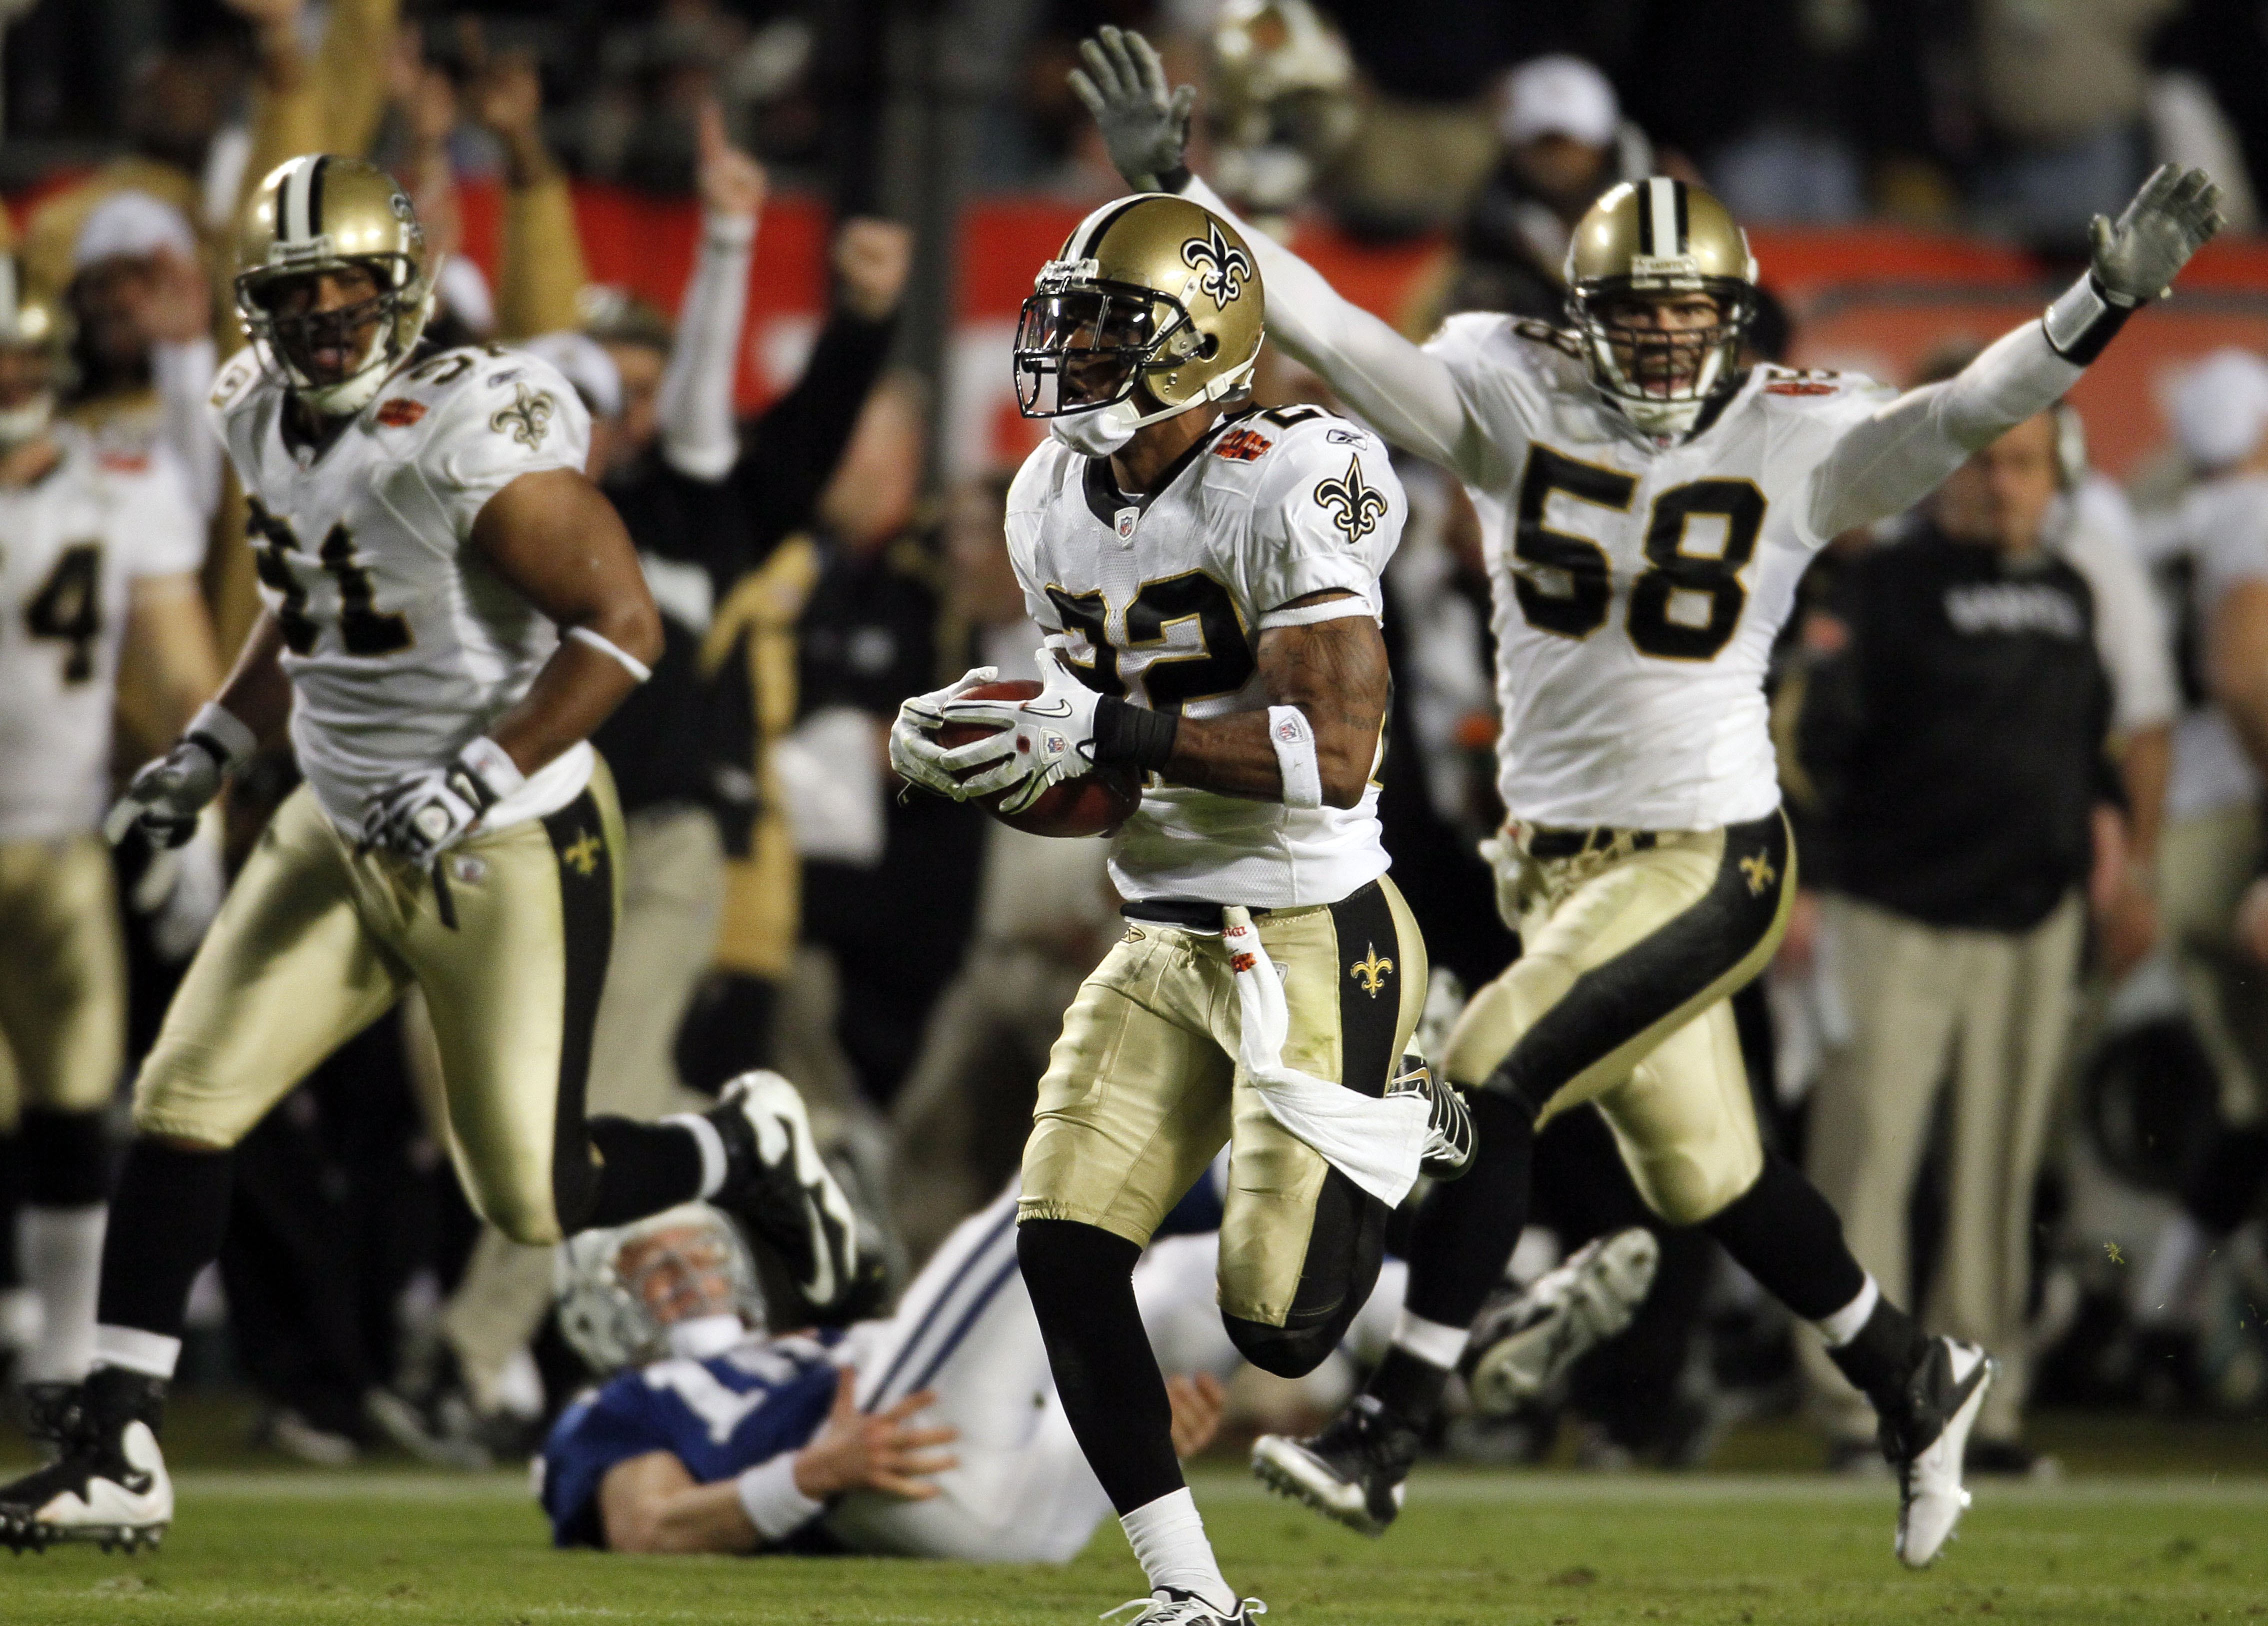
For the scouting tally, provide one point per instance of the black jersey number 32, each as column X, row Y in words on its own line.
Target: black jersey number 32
column 1572, row 596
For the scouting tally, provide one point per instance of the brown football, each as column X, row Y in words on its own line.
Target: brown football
column 1095, row 804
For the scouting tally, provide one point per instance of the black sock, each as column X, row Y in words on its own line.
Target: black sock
column 1878, row 1359
column 1081, row 1281
column 166, row 1221
column 645, row 1168
column 1782, row 1233
column 1465, row 1230
column 12, row 1195
column 1408, row 1386
column 66, row 1162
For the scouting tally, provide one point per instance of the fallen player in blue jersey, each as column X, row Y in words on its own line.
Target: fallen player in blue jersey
column 935, row 1432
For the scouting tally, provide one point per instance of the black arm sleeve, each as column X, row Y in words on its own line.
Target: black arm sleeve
column 793, row 445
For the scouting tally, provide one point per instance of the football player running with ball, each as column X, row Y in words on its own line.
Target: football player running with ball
column 449, row 608
column 1649, row 506
column 1208, row 575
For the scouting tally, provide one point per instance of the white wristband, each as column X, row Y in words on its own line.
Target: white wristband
column 770, row 1498
column 629, row 662
column 225, row 729
column 1309, row 615
column 496, row 770
column 1294, row 740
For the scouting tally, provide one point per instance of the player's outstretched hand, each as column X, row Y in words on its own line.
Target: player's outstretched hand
column 914, row 750
column 732, row 185
column 1199, row 1399
column 873, row 1450
column 1144, row 122
column 2174, row 215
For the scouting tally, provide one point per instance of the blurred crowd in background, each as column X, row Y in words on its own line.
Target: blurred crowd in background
column 906, row 961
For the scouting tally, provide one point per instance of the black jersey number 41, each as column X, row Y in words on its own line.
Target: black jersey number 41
column 1568, row 586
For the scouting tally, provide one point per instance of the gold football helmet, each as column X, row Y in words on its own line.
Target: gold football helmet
column 321, row 212
column 1646, row 242
column 35, row 340
column 1153, row 307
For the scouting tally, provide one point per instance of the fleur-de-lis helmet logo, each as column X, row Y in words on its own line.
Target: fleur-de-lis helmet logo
column 1356, row 508
column 1222, row 267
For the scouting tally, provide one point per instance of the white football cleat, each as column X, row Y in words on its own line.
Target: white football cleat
column 778, row 1184
column 109, row 1484
column 1524, row 1343
column 1170, row 1606
column 1926, row 1444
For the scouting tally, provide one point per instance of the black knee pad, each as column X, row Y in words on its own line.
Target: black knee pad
column 1344, row 1250
column 1286, row 1351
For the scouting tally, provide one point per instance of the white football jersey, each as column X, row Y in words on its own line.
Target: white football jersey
column 1166, row 597
column 401, row 643
column 1637, row 588
column 70, row 547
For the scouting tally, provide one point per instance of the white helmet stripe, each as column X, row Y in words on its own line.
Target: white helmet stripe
column 292, row 200
column 1661, row 216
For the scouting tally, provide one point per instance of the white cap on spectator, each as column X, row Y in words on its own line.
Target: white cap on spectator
column 586, row 366
column 131, row 223
column 464, row 289
column 1558, row 96
column 2219, row 407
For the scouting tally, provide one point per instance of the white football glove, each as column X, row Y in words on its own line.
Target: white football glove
column 2174, row 215
column 914, row 751
column 1039, row 742
column 165, row 798
column 1144, row 123
column 428, row 811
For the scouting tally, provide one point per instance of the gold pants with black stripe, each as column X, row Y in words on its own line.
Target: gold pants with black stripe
column 62, row 977
column 1631, row 951
column 318, row 939
column 1143, row 1089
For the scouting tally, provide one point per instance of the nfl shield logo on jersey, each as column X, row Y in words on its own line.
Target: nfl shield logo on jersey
column 1127, row 518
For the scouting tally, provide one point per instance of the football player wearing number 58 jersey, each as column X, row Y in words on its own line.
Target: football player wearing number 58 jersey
column 1207, row 574
column 1648, row 508
column 450, row 608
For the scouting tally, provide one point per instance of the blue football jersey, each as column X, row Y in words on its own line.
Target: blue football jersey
column 720, row 1417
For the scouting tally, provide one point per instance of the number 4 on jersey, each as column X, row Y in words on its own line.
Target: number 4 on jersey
column 69, row 606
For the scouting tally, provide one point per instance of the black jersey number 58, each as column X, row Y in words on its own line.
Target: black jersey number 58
column 1570, row 598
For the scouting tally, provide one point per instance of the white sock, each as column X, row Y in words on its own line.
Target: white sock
column 2164, row 1288
column 60, row 1251
column 1169, row 1543
column 153, row 1354
column 712, row 1150
column 1844, row 1324
column 1433, row 1343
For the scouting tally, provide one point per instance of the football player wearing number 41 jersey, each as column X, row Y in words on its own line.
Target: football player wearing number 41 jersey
column 449, row 608
column 1208, row 576
column 1648, row 508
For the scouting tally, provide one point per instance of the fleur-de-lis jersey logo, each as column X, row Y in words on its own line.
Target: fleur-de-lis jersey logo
column 528, row 420
column 1370, row 970
column 1356, row 508
column 1223, row 268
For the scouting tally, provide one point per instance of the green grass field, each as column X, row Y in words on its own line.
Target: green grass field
column 1551, row 1548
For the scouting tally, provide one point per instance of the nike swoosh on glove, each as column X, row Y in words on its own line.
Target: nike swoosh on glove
column 1039, row 742
column 914, row 751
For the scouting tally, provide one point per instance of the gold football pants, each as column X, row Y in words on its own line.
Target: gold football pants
column 62, row 977
column 1143, row 1089
column 318, row 939
column 1632, row 950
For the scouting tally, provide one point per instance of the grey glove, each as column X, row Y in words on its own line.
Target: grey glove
column 1144, row 123
column 2174, row 215
column 165, row 797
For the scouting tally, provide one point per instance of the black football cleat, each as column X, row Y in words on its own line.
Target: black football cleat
column 1924, row 1437
column 778, row 1185
column 1526, row 1339
column 1352, row 1471
column 1170, row 1606
column 107, row 1483
column 1448, row 1121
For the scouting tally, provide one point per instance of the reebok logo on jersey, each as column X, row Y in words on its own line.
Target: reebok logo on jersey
column 1243, row 446
column 1356, row 508
column 400, row 413
column 1222, row 267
